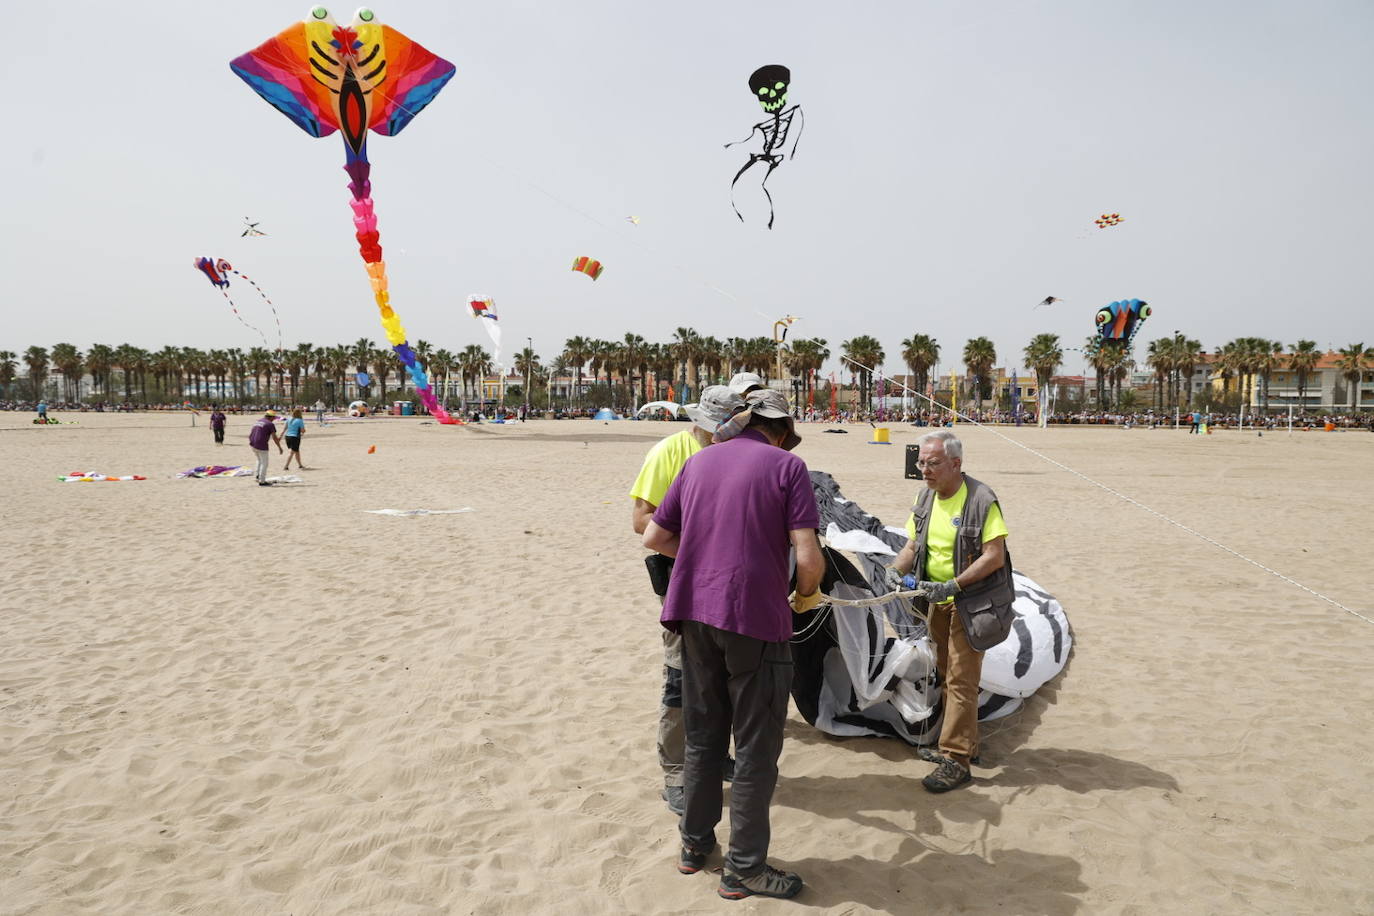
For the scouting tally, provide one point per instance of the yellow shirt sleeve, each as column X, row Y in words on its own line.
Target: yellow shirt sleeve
column 993, row 526
column 661, row 467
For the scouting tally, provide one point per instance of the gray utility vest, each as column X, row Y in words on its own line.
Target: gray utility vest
column 985, row 606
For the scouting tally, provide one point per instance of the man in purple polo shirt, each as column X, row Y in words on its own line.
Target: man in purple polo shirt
column 259, row 435
column 729, row 518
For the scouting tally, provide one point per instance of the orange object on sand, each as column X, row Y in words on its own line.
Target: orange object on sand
column 371, row 449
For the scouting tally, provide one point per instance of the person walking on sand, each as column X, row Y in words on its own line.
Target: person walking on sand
column 217, row 419
column 42, row 411
column 319, row 412
column 957, row 550
column 264, row 431
column 295, row 428
column 728, row 519
column 661, row 466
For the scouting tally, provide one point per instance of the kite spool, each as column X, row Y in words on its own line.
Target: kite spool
column 880, row 436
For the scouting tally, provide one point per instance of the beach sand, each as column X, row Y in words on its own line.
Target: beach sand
column 221, row 698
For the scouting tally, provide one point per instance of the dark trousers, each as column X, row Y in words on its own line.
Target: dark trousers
column 732, row 683
column 219, row 434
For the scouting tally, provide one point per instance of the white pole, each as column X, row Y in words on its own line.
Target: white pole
column 1290, row 419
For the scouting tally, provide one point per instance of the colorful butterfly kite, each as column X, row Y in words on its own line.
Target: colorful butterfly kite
column 217, row 272
column 1109, row 219
column 1117, row 322
column 588, row 266
column 355, row 78
column 485, row 307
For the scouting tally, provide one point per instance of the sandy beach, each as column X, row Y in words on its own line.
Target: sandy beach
column 220, row 698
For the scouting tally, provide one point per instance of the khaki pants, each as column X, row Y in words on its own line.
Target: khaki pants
column 671, row 738
column 961, row 667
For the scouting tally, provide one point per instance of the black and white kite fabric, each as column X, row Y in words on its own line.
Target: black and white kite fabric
column 871, row 670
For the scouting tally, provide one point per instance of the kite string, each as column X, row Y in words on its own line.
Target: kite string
column 266, row 299
column 1122, row 496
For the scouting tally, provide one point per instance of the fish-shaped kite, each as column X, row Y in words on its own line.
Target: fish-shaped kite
column 1117, row 322
column 354, row 78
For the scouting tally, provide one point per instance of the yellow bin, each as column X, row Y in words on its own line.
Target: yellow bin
column 880, row 436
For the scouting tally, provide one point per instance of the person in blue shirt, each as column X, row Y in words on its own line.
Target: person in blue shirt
column 42, row 410
column 295, row 428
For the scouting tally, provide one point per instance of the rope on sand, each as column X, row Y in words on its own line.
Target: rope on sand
column 1135, row 502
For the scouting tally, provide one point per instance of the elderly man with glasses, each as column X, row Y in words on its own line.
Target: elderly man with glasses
column 957, row 553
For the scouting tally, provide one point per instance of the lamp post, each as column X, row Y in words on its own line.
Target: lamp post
column 779, row 338
column 529, row 369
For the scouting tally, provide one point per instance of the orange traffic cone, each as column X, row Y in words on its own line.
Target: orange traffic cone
column 371, row 449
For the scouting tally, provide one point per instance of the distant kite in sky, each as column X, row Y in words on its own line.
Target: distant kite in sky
column 1109, row 219
column 769, row 85
column 217, row 272
column 1049, row 300
column 1117, row 322
column 251, row 230
column 632, row 220
column 484, row 307
column 355, row 78
column 588, row 266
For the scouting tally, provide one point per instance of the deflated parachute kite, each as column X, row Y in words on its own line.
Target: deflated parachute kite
column 217, row 272
column 1117, row 322
column 354, row 78
column 588, row 266
column 484, row 307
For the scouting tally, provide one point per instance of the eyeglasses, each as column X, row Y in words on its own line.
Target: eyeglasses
column 929, row 464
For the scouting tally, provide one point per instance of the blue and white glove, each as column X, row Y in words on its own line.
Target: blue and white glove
column 939, row 592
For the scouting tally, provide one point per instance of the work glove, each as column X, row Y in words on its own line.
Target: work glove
column 939, row 592
column 803, row 603
column 893, row 578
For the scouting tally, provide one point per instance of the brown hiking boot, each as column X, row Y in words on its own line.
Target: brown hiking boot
column 950, row 774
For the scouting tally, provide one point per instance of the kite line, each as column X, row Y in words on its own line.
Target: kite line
column 1122, row 496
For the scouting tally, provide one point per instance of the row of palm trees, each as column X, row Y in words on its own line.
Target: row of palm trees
column 685, row 360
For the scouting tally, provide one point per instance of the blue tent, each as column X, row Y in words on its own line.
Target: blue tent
column 606, row 413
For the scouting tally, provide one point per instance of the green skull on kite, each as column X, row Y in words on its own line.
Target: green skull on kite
column 769, row 85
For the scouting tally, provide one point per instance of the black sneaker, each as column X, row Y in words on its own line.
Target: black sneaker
column 676, row 797
column 948, row 775
column 768, row 883
column 689, row 861
column 933, row 755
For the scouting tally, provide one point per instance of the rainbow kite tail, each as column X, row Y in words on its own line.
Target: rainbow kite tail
column 365, row 223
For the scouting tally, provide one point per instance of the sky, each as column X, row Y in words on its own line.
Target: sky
column 953, row 160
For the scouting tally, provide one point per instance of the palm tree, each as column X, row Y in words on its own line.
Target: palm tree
column 1100, row 358
column 67, row 360
column 687, row 347
column 806, row 357
column 865, row 354
column 979, row 357
column 99, row 359
column 1187, row 354
column 473, row 363
column 36, row 358
column 1159, row 356
column 1269, row 358
column 360, row 356
column 1044, row 357
column 1118, row 371
column 577, row 350
column 9, row 366
column 441, row 364
column 637, row 360
column 1302, row 359
column 920, row 352
column 381, row 359
column 1353, row 360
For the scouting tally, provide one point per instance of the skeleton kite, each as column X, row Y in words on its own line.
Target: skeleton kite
column 769, row 85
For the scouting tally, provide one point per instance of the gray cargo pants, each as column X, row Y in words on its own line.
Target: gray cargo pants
column 732, row 684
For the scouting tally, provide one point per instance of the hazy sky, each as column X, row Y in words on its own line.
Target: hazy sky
column 954, row 157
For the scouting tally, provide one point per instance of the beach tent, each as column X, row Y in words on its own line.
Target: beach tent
column 871, row 671
column 606, row 413
column 673, row 406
